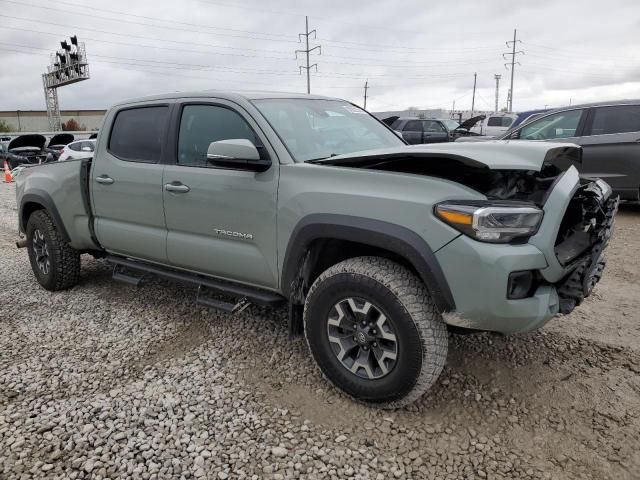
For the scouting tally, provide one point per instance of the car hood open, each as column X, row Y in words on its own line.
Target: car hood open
column 61, row 139
column 469, row 123
column 491, row 155
column 31, row 140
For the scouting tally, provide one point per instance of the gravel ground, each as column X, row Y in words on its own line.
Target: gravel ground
column 107, row 381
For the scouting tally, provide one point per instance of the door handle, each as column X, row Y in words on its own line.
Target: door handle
column 176, row 187
column 104, row 179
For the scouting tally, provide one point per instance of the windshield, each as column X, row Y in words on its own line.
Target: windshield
column 315, row 129
column 451, row 124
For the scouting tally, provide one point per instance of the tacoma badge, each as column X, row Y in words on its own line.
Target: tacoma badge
column 229, row 233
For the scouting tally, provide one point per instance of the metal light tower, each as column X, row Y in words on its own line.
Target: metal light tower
column 68, row 65
column 497, row 77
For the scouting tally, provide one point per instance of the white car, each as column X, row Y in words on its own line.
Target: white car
column 494, row 124
column 78, row 149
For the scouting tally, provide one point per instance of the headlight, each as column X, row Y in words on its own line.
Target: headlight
column 491, row 222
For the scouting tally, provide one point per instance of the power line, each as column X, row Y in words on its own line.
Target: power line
column 513, row 54
column 307, row 51
column 121, row 20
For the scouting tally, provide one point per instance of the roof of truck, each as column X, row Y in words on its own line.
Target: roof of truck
column 226, row 94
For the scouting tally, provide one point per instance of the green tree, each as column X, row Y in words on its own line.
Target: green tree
column 5, row 127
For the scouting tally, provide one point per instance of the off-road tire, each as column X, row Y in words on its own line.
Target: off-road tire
column 421, row 333
column 64, row 270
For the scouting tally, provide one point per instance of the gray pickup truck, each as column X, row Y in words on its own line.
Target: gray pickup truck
column 376, row 247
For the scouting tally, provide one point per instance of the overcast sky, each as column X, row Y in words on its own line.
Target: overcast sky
column 414, row 53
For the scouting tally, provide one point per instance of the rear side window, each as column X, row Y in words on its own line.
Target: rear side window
column 413, row 126
column 499, row 121
column 138, row 134
column 202, row 124
column 620, row 119
column 74, row 146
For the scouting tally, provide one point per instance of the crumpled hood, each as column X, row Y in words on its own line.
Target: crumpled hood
column 492, row 154
column 31, row 140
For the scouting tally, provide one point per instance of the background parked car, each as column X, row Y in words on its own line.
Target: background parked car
column 609, row 134
column 56, row 144
column 524, row 117
column 417, row 130
column 494, row 124
column 26, row 149
column 78, row 149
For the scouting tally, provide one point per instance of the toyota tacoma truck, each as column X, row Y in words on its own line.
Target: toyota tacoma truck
column 377, row 248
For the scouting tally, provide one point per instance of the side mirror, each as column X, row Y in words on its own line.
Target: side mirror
column 86, row 149
column 238, row 154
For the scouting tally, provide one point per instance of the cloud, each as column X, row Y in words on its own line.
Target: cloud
column 417, row 53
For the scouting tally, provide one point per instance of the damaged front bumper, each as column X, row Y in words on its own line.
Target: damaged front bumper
column 586, row 264
column 566, row 257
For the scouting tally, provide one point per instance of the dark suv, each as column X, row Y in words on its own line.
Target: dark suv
column 416, row 130
column 609, row 134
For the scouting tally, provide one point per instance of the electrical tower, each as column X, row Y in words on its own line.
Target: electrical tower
column 366, row 87
column 68, row 65
column 512, row 53
column 307, row 51
column 497, row 77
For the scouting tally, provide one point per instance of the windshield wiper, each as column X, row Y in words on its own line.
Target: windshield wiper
column 322, row 158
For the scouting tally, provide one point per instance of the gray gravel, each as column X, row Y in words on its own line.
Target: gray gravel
column 106, row 381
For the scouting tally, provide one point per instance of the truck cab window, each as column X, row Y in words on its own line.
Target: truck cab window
column 138, row 134
column 202, row 124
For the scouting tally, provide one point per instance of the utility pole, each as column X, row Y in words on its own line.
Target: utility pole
column 366, row 87
column 307, row 51
column 513, row 54
column 473, row 99
column 497, row 77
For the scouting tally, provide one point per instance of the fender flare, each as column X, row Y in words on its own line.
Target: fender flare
column 42, row 198
column 376, row 233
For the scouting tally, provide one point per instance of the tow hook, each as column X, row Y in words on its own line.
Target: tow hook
column 21, row 243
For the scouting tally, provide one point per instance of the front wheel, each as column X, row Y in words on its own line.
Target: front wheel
column 374, row 331
column 55, row 264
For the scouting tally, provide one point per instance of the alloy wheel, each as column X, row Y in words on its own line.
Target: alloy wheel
column 362, row 338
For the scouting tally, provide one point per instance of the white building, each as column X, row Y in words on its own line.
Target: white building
column 37, row 121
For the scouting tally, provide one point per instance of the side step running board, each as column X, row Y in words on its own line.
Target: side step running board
column 227, row 307
column 245, row 293
column 120, row 275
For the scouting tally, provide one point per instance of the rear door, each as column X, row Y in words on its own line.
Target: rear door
column 412, row 132
column 611, row 148
column 126, row 183
column 221, row 222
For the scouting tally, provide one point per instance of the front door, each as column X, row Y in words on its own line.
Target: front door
column 126, row 184
column 220, row 222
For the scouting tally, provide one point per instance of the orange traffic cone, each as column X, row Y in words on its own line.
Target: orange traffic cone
column 7, row 173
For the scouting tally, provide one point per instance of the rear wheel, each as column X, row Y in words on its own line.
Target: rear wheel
column 374, row 331
column 55, row 264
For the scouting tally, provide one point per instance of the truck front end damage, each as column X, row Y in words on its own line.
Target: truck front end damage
column 583, row 235
column 531, row 247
